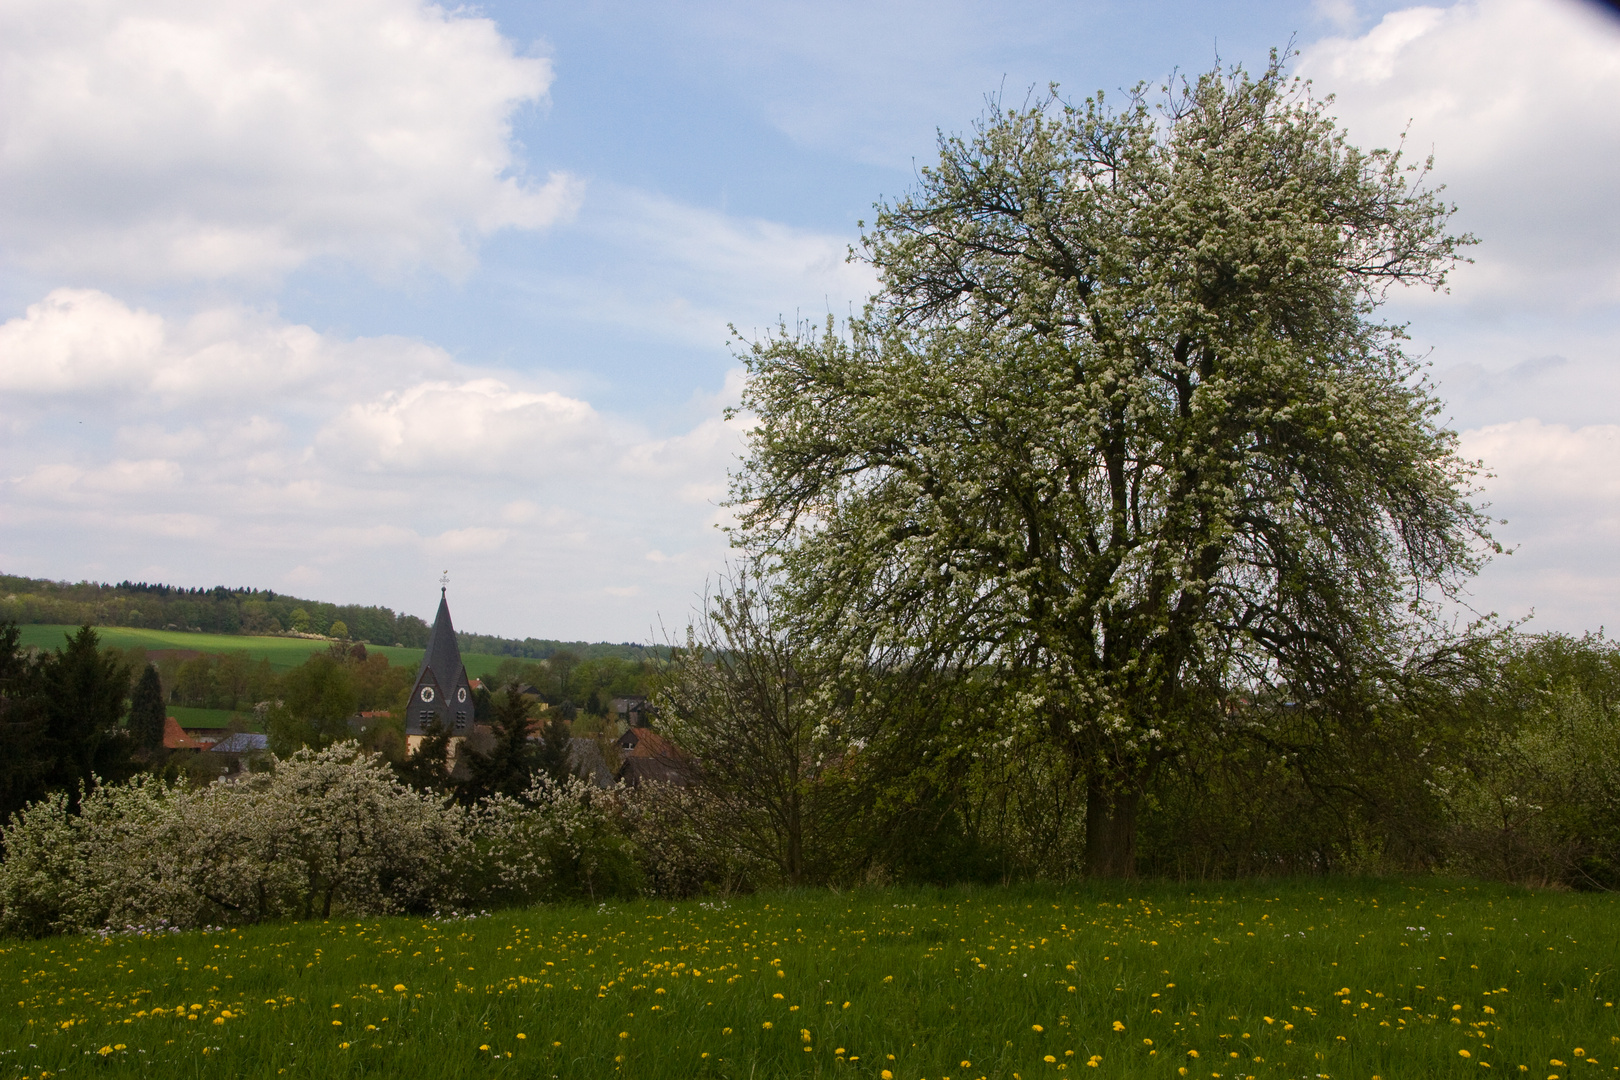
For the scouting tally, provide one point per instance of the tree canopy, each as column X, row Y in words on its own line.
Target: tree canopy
column 1121, row 426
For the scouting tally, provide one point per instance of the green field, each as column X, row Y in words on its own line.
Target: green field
column 190, row 717
column 1264, row 979
column 282, row 652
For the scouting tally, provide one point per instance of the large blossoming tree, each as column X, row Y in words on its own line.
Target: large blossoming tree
column 1121, row 429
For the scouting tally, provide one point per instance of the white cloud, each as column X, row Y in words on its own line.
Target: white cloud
column 238, row 448
column 86, row 343
column 676, row 272
column 1559, row 489
column 175, row 140
column 482, row 425
column 1520, row 102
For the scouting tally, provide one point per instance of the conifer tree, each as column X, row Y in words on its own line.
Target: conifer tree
column 147, row 712
column 428, row 767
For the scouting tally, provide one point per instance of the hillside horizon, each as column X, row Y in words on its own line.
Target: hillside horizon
column 250, row 611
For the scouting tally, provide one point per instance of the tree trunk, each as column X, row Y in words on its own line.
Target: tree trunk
column 1111, row 827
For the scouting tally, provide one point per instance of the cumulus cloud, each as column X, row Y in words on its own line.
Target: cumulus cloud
column 175, row 140
column 90, row 345
column 1519, row 100
column 234, row 446
column 482, row 425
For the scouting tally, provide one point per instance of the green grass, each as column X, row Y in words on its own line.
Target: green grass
column 191, row 717
column 282, row 652
column 1349, row 979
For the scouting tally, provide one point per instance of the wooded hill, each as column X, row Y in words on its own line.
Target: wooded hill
column 225, row 610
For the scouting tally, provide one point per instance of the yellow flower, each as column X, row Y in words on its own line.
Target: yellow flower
column 887, row 1075
column 1192, row 1053
column 521, row 1035
column 399, row 988
column 104, row 1051
column 725, row 1031
column 766, row 1025
column 1119, row 1025
column 1049, row 1059
column 484, row 1047
column 1182, row 1070
column 624, row 1034
column 343, row 1046
column 1464, row 1053
column 1147, row 1042
column 967, row 1064
column 777, row 997
column 337, row 1023
column 888, row 978
column 1036, row 1028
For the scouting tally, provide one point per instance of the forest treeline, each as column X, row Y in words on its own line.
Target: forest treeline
column 225, row 610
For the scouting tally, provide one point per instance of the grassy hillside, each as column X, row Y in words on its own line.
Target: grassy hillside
column 282, row 652
column 1261, row 979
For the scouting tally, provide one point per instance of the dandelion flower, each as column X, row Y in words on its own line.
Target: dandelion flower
column 1192, row 1053
column 766, row 1025
column 484, row 1047
column 337, row 1023
column 1049, row 1059
column 1119, row 1025
column 343, row 1046
column 1464, row 1053
column 887, row 1075
column 967, row 1064
column 399, row 988
column 1036, row 1028
column 521, row 1035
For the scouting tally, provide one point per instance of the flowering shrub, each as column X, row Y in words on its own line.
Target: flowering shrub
column 322, row 831
column 554, row 842
column 333, row 831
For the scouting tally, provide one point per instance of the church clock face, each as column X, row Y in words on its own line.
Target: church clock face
column 427, row 693
column 461, row 694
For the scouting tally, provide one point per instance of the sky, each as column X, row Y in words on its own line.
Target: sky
column 332, row 296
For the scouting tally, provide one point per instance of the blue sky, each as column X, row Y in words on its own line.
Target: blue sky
column 328, row 296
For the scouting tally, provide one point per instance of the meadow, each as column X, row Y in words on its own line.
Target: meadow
column 1315, row 978
column 282, row 652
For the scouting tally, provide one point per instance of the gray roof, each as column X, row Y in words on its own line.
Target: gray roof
column 243, row 742
column 443, row 654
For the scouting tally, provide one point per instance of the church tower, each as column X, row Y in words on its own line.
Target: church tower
column 442, row 691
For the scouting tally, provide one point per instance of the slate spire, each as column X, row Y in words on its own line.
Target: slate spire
column 442, row 688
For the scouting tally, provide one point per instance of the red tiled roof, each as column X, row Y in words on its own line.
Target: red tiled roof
column 177, row 738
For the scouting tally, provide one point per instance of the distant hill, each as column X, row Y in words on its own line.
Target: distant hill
column 224, row 610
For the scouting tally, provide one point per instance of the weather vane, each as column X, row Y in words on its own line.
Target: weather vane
column 444, row 581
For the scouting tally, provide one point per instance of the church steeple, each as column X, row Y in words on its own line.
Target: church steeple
column 442, row 690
